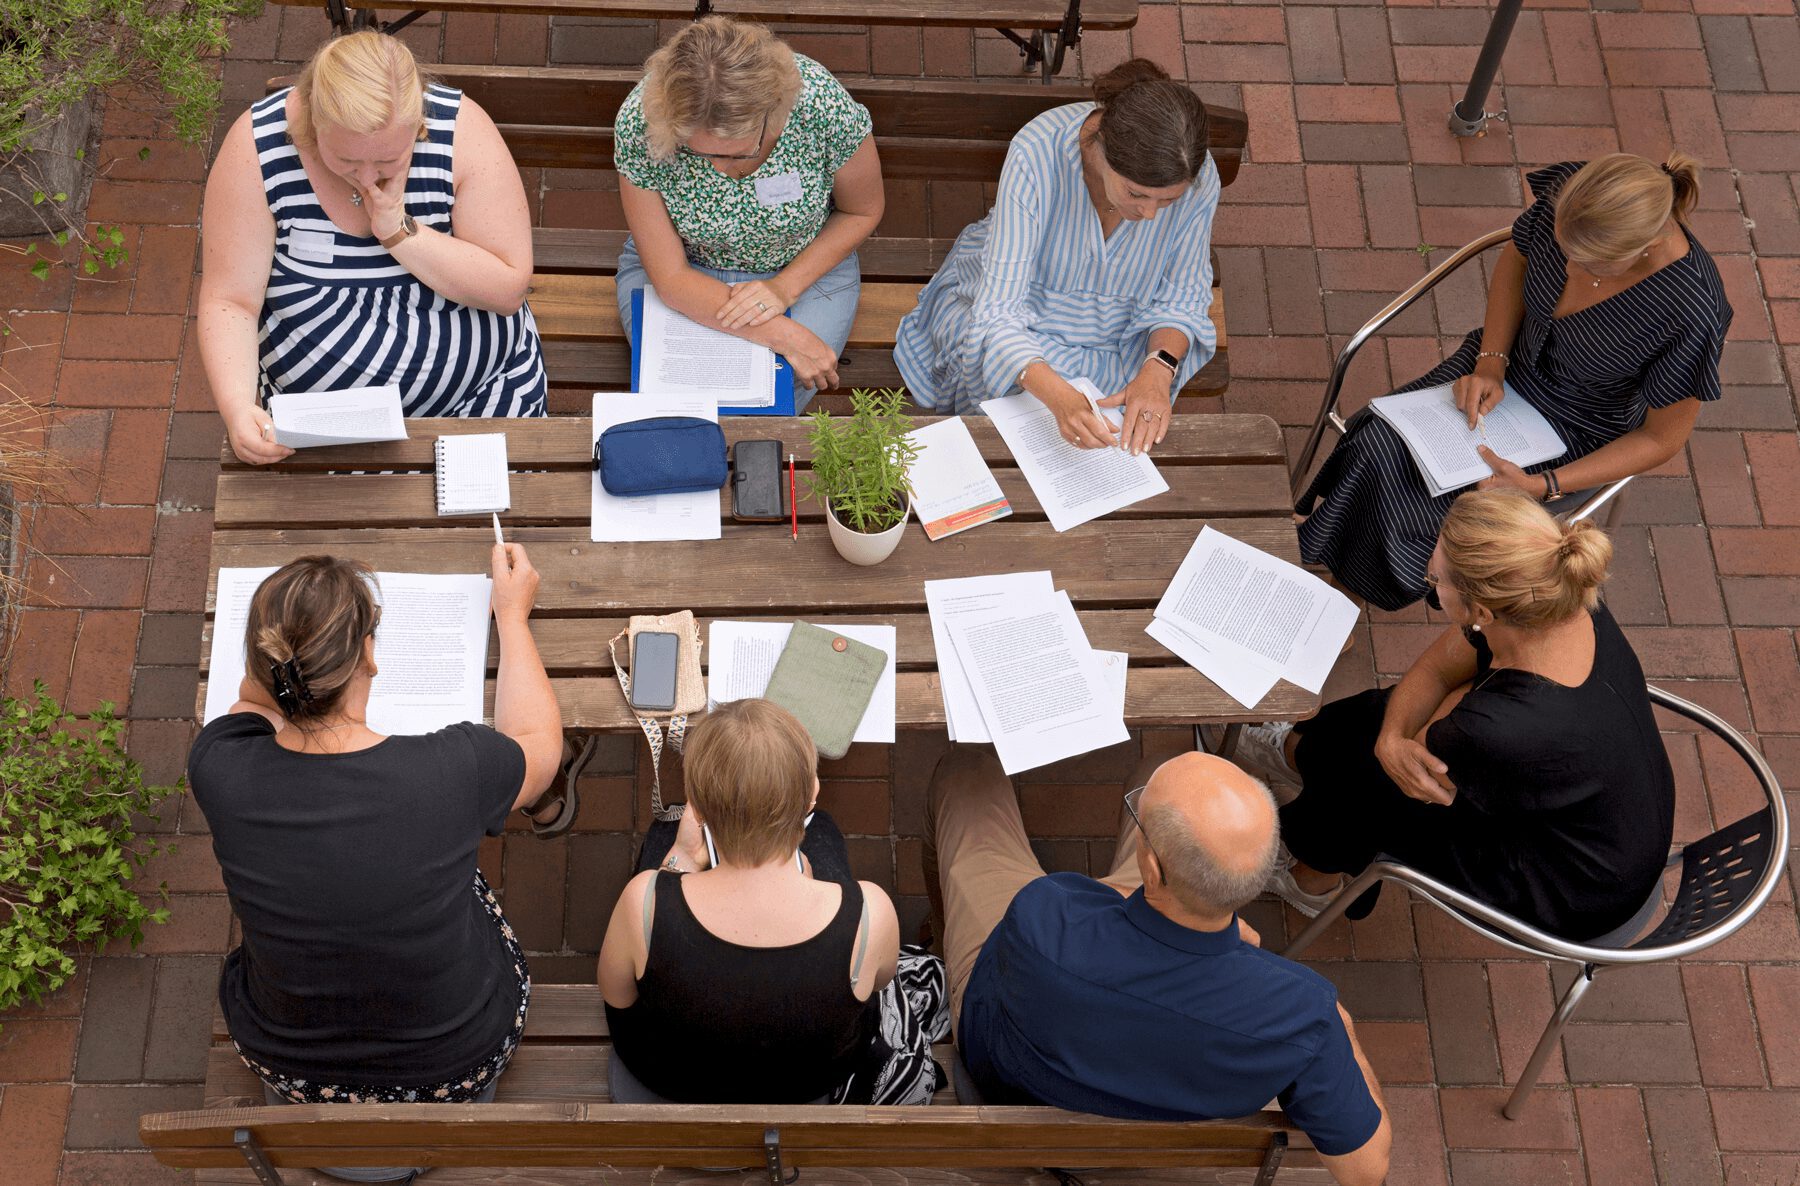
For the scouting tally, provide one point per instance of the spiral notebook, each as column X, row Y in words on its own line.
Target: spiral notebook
column 471, row 474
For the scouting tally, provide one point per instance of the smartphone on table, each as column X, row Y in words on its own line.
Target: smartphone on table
column 654, row 655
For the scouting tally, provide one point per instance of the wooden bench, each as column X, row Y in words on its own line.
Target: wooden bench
column 552, row 1123
column 1051, row 27
column 927, row 131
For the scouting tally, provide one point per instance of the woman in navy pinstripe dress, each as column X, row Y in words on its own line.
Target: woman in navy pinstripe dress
column 330, row 257
column 1604, row 313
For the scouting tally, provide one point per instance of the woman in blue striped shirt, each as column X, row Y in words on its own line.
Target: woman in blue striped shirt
column 1094, row 263
column 330, row 261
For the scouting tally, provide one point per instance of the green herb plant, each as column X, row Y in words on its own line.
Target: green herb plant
column 859, row 461
column 70, row 799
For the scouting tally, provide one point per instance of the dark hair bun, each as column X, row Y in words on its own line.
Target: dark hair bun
column 1124, row 76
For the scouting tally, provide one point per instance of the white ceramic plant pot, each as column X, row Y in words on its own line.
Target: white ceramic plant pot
column 860, row 548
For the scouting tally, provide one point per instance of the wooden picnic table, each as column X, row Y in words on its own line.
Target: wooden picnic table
column 1226, row 470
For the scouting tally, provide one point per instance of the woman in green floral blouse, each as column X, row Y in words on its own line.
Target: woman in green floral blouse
column 749, row 178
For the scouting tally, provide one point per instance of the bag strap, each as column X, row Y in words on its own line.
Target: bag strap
column 653, row 733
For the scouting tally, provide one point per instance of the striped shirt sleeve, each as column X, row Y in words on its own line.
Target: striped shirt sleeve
column 1184, row 297
column 999, row 337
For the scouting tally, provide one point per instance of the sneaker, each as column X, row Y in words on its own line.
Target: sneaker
column 1261, row 750
column 1281, row 883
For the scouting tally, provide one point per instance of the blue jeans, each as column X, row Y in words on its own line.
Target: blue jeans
column 827, row 308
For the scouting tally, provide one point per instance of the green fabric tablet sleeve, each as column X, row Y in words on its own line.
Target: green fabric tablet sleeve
column 826, row 680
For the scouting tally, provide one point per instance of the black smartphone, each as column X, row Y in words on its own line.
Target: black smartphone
column 654, row 656
column 758, row 482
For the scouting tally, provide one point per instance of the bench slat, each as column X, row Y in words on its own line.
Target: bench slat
column 585, row 249
column 1014, row 14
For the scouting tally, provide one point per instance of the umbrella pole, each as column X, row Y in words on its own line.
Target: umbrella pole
column 1469, row 117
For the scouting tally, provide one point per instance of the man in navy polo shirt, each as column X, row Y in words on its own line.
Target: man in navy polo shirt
column 1141, row 996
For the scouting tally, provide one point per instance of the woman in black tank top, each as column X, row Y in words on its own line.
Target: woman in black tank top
column 748, row 981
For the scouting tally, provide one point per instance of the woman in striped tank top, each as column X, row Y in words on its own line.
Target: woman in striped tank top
column 1094, row 263
column 1604, row 313
column 330, row 257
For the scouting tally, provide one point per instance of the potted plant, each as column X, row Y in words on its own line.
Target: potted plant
column 859, row 465
column 70, row 799
column 55, row 59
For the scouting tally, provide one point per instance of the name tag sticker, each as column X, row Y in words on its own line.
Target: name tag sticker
column 313, row 246
column 779, row 189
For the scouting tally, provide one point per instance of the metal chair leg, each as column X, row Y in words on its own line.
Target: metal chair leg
column 1345, row 898
column 1584, row 980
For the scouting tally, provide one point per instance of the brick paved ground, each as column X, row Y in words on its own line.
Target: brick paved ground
column 1684, row 1074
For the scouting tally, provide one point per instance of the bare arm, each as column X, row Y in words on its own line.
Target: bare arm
column 623, row 953
column 525, row 707
column 860, row 200
column 1663, row 434
column 1444, row 668
column 487, row 263
column 252, row 698
column 1367, row 1166
column 237, row 251
column 882, row 956
column 1478, row 392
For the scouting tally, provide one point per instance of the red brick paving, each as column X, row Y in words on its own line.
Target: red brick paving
column 1678, row 1075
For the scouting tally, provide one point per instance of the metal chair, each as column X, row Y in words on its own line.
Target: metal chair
column 1725, row 879
column 1571, row 507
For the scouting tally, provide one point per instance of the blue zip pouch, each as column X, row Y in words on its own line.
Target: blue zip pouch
column 661, row 455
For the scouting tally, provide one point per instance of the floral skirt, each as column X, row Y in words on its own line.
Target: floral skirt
column 461, row 1090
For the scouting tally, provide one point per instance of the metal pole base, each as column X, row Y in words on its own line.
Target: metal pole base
column 1466, row 126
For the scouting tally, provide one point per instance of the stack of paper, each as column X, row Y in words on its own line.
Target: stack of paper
column 1075, row 485
column 952, row 487
column 743, row 656
column 1437, row 433
column 1245, row 619
column 683, row 357
column 1016, row 669
column 430, row 649
column 653, row 516
column 355, row 416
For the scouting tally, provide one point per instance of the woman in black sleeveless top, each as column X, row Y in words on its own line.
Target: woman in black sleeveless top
column 1518, row 759
column 748, row 981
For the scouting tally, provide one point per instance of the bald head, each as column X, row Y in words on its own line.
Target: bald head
column 1214, row 829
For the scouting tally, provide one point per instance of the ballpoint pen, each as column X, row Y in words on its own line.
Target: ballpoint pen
column 793, row 498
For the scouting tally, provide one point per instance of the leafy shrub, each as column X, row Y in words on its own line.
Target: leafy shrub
column 859, row 461
column 54, row 52
column 69, row 797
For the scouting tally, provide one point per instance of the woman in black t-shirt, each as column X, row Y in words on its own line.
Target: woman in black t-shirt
column 1518, row 759
column 375, row 964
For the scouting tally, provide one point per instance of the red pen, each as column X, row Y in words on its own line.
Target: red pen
column 793, row 498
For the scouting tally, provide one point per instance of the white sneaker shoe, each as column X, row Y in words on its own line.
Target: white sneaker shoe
column 1281, row 883
column 1261, row 750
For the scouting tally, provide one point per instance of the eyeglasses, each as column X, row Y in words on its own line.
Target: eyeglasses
column 1431, row 593
column 1131, row 801
column 684, row 150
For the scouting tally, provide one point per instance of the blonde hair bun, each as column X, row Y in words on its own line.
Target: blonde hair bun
column 1506, row 552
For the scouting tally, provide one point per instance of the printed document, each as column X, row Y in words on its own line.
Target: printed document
column 694, row 515
column 742, row 655
column 355, row 416
column 952, row 487
column 431, row 647
column 949, row 599
column 1251, row 608
column 1243, row 681
column 1075, row 485
column 1113, row 669
column 679, row 356
column 1037, row 681
column 1438, row 435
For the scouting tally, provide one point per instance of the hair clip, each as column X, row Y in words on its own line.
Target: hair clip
column 290, row 688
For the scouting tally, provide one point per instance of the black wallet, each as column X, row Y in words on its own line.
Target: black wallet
column 757, row 492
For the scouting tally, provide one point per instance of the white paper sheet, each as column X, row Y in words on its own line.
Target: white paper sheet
column 354, row 416
column 1245, row 682
column 1114, row 667
column 472, row 478
column 1074, row 485
column 430, row 649
column 952, row 487
column 1247, row 606
column 949, row 599
column 741, row 657
column 1037, row 682
column 655, row 516
column 1442, row 444
column 679, row 356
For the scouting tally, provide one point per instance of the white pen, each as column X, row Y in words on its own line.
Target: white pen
column 498, row 538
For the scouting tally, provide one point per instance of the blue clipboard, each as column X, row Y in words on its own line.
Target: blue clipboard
column 784, row 374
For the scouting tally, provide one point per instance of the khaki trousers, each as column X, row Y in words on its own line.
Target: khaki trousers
column 977, row 855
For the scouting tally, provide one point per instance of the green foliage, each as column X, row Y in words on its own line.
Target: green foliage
column 53, row 52
column 69, row 799
column 859, row 461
